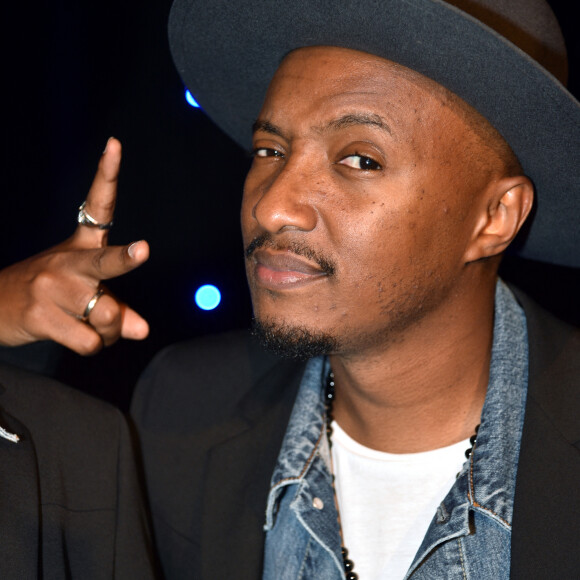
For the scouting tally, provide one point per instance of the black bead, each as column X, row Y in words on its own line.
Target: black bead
column 348, row 565
column 468, row 453
column 351, row 576
column 344, row 552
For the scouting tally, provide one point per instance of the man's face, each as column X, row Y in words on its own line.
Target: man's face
column 358, row 206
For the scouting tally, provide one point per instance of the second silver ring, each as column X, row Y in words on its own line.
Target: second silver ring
column 91, row 305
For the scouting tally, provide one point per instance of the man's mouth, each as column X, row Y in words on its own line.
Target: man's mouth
column 279, row 269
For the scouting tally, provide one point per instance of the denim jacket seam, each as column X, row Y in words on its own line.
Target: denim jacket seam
column 461, row 558
column 419, row 559
column 482, row 508
column 303, row 565
column 319, row 541
column 474, row 502
column 307, row 464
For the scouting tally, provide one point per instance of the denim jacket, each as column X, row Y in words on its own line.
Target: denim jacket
column 469, row 535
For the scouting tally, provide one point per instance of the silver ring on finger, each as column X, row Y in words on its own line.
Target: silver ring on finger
column 91, row 305
column 86, row 219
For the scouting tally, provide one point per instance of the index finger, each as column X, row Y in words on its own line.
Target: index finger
column 100, row 201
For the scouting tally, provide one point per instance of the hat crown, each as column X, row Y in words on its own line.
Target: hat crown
column 529, row 24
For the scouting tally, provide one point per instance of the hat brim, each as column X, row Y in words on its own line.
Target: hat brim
column 227, row 52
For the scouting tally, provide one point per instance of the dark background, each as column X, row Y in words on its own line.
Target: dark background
column 77, row 72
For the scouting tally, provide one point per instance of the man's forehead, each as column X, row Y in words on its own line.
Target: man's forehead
column 342, row 88
column 328, row 55
column 356, row 73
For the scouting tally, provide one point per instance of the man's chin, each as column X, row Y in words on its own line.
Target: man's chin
column 293, row 341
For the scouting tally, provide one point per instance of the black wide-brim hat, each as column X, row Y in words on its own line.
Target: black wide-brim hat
column 227, row 52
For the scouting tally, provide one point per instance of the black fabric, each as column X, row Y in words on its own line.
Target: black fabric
column 212, row 414
column 227, row 55
column 70, row 502
column 546, row 523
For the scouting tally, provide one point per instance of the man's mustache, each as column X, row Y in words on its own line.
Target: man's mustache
column 266, row 240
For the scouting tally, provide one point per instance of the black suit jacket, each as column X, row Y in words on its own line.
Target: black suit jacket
column 70, row 503
column 212, row 415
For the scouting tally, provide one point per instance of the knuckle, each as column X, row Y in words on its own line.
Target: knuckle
column 90, row 344
column 111, row 339
column 34, row 315
column 98, row 259
column 109, row 316
column 43, row 282
column 53, row 261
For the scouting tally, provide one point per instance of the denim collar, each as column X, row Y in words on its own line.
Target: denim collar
column 304, row 437
column 493, row 466
column 486, row 482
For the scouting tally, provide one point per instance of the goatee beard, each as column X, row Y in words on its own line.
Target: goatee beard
column 293, row 342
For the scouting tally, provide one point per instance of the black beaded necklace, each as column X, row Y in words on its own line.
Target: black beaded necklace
column 329, row 395
column 328, row 403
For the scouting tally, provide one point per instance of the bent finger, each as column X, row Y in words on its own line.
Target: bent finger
column 133, row 325
column 106, row 319
column 113, row 319
column 67, row 330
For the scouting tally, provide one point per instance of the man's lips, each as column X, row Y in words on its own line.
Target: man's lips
column 276, row 269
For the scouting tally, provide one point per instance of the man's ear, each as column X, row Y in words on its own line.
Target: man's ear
column 508, row 205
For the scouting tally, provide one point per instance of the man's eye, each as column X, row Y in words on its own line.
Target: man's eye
column 266, row 152
column 360, row 162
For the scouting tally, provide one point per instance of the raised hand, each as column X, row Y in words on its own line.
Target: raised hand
column 58, row 294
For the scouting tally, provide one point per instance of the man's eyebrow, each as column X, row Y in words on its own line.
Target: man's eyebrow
column 343, row 122
column 266, row 127
column 357, row 119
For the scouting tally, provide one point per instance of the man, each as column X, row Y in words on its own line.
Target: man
column 389, row 175
column 392, row 150
column 71, row 504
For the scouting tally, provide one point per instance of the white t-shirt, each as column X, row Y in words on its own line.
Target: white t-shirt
column 387, row 501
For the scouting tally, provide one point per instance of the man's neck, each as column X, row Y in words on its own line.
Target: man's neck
column 424, row 391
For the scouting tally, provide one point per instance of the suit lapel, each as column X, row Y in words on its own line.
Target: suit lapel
column 19, row 503
column 546, row 523
column 238, row 480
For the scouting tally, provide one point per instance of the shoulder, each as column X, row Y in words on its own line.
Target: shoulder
column 544, row 537
column 554, row 368
column 211, row 354
column 214, row 409
column 73, row 473
column 73, row 434
column 197, row 381
column 48, row 406
column 546, row 330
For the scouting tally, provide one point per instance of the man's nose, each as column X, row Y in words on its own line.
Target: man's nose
column 288, row 201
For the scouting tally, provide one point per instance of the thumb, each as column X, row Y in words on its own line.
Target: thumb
column 112, row 261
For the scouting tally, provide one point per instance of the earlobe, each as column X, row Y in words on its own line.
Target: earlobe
column 502, row 218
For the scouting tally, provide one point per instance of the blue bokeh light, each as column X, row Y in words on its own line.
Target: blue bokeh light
column 189, row 98
column 207, row 297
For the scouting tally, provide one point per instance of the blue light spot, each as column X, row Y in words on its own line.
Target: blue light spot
column 189, row 98
column 207, row 297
